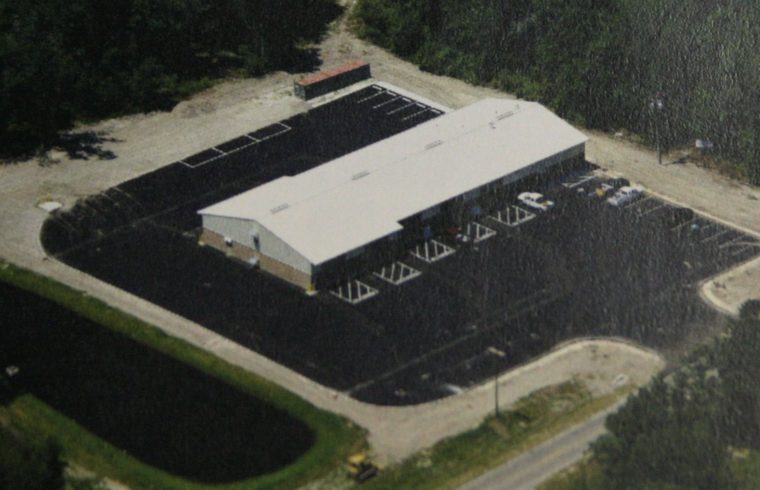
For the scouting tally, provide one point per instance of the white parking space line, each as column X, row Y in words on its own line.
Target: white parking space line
column 637, row 202
column 432, row 251
column 685, row 223
column 354, row 292
column 740, row 241
column 728, row 243
column 378, row 91
column 715, row 235
column 741, row 250
column 200, row 164
column 129, row 197
column 397, row 273
column 254, row 141
column 381, row 104
column 365, row 99
column 478, row 232
column 399, row 109
column 512, row 216
column 278, row 133
column 649, row 211
column 737, row 245
column 575, row 182
column 426, row 109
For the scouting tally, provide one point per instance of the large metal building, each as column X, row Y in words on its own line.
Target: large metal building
column 304, row 226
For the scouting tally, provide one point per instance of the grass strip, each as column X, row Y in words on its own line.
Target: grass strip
column 335, row 437
column 533, row 420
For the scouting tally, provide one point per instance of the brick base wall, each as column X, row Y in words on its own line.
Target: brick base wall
column 284, row 271
column 235, row 249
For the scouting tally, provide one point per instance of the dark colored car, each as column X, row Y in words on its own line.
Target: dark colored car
column 618, row 183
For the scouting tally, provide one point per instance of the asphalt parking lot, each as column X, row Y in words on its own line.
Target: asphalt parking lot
column 533, row 279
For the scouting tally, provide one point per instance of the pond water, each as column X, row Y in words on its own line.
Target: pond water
column 160, row 411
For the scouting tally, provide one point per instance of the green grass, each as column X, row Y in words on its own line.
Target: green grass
column 533, row 420
column 335, row 437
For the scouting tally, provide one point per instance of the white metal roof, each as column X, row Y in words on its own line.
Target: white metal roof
column 346, row 203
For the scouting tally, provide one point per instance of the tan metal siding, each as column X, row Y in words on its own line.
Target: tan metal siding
column 272, row 246
column 238, row 230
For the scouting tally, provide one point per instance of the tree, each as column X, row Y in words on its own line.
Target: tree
column 739, row 369
column 669, row 434
column 599, row 62
column 35, row 73
column 61, row 61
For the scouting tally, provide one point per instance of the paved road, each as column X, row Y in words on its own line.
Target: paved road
column 530, row 469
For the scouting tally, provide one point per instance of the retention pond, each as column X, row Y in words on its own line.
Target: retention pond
column 163, row 412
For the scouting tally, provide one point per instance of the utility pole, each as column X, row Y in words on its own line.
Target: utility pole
column 657, row 105
column 502, row 354
column 496, row 394
column 483, row 318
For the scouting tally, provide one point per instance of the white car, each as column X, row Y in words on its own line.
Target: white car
column 624, row 195
column 535, row 200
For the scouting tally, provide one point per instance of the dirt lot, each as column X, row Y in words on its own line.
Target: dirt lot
column 144, row 142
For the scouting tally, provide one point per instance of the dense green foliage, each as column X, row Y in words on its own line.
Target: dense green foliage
column 598, row 62
column 677, row 433
column 66, row 59
column 28, row 464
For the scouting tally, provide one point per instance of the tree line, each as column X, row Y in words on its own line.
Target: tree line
column 679, row 432
column 68, row 60
column 599, row 63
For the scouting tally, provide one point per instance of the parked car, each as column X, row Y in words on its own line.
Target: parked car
column 535, row 200
column 618, row 183
column 624, row 195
